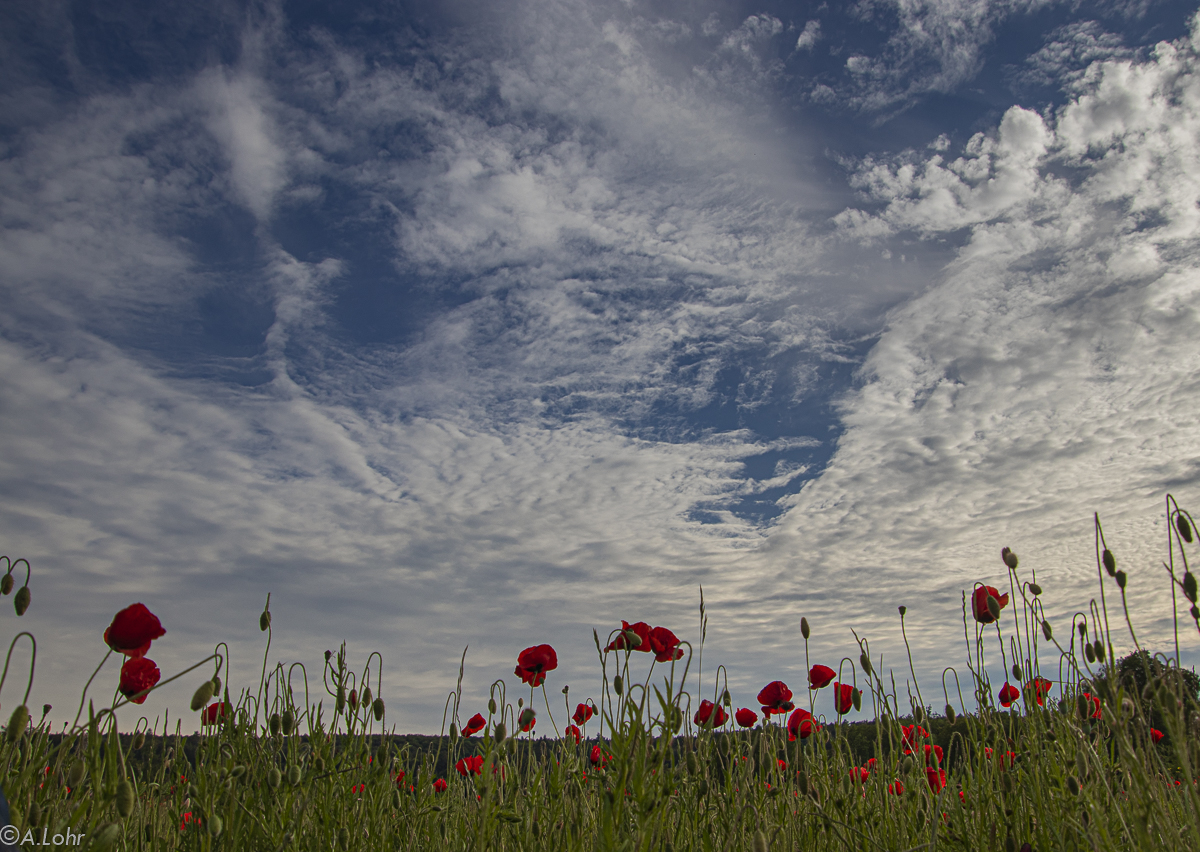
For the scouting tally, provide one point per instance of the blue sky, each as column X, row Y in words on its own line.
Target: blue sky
column 498, row 323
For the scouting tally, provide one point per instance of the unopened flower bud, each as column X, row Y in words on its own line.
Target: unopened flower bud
column 760, row 842
column 105, row 837
column 865, row 662
column 1189, row 586
column 17, row 722
column 1121, row 579
column 1089, row 652
column 525, row 718
column 993, row 607
column 1010, row 558
column 377, row 709
column 1046, row 631
column 804, row 631
column 1110, row 562
column 340, row 701
column 1016, row 670
column 1181, row 524
column 6, row 584
column 287, row 722
column 264, row 620
column 903, row 610
column 618, row 684
column 294, row 774
column 1099, row 650
column 216, row 682
column 726, row 699
column 21, row 601
column 366, row 696
column 274, row 778
column 353, row 699
column 1195, row 612
column 500, row 732
column 950, row 714
column 215, row 825
column 124, row 798
column 453, row 732
column 35, row 813
column 565, row 689
column 274, row 724
column 856, row 698
column 492, row 706
column 328, row 654
column 1072, row 785
column 1035, row 588
column 139, row 740
column 202, row 695
column 75, row 773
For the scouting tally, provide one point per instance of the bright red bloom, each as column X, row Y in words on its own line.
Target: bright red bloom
column 574, row 733
column 640, row 629
column 474, row 725
column 1156, row 735
column 819, row 676
column 859, row 774
column 1009, row 694
column 138, row 674
column 801, row 724
column 469, row 765
column 665, row 645
column 746, row 717
column 912, row 733
column 936, row 778
column 843, row 697
column 710, row 713
column 1095, row 701
column 400, row 778
column 212, row 712
column 776, row 699
column 896, row 788
column 979, row 603
column 187, row 817
column 132, row 630
column 533, row 663
column 439, row 786
column 582, row 713
column 597, row 757
column 934, row 751
column 1040, row 687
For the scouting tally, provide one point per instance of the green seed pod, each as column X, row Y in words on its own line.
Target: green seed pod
column 950, row 714
column 1189, row 586
column 274, row 778
column 264, row 621
column 202, row 695
column 377, row 709
column 287, row 723
column 105, row 837
column 804, row 631
column 215, row 825
column 17, row 722
column 21, row 601
column 124, row 798
column 343, row 836
column 500, row 732
column 274, row 724
column 1046, row 631
column 6, row 584
column 139, row 740
column 865, row 662
column 1121, row 580
column 294, row 775
column 1181, row 524
column 1035, row 589
column 1016, row 670
column 340, row 703
column 618, row 684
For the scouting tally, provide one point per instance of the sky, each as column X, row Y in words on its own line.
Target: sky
column 489, row 324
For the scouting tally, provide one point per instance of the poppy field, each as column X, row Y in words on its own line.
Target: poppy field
column 1075, row 749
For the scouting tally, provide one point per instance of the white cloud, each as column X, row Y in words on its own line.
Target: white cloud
column 810, row 35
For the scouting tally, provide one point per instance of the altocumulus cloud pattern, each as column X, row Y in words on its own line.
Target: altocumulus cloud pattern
column 492, row 324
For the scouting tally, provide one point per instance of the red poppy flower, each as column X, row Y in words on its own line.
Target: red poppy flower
column 746, row 717
column 801, row 724
column 979, row 603
column 132, row 630
column 776, row 699
column 896, row 788
column 936, row 778
column 138, row 674
column 187, row 818
column 912, row 733
column 710, row 713
column 640, row 629
column 400, row 779
column 665, row 645
column 474, row 725
column 439, row 786
column 574, row 733
column 469, row 765
column 533, row 663
column 582, row 713
column 1096, row 702
column 859, row 774
column 819, row 676
column 212, row 712
column 597, row 757
column 1156, row 735
column 934, row 751
column 843, row 697
column 1040, row 687
column 1008, row 694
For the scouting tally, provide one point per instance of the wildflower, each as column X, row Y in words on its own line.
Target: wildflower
column 801, row 724
column 859, row 774
column 469, row 765
column 138, row 674
column 710, row 713
column 982, row 611
column 1039, row 686
column 132, row 630
column 1008, row 694
column 574, row 733
column 746, row 717
column 526, row 720
column 776, row 699
column 439, row 786
column 1096, row 704
column 843, row 697
column 400, row 779
column 936, row 778
column 187, row 817
column 665, row 645
column 1156, row 735
column 533, row 663
column 934, row 751
column 639, row 629
column 213, row 712
column 474, row 725
column 896, row 788
column 582, row 713
column 911, row 734
column 597, row 757
column 819, row 676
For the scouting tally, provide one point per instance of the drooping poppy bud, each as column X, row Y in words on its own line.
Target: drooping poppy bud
column 1010, row 558
column 17, row 722
column 124, row 798
column 1181, row 524
column 353, row 699
column 216, row 682
column 1016, row 670
column 139, row 740
column 492, row 706
column 6, row 584
column 264, row 620
column 1189, row 586
column 950, row 715
column 1035, row 589
column 618, row 684
column 274, row 778
column 986, row 603
column 500, row 732
column 993, row 607
column 21, row 601
column 1046, row 631
column 201, row 696
column 287, row 722
column 274, row 724
column 865, row 662
column 1122, row 579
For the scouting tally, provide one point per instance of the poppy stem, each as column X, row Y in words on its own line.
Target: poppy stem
column 83, row 697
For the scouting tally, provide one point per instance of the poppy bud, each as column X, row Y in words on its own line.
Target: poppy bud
column 6, row 584
column 500, row 732
column 35, row 813
column 453, row 732
column 264, row 620
column 1072, row 785
column 492, row 706
column 214, row 825
column 318, row 764
column 1035, row 589
column 287, row 722
column 1110, row 562
column 353, row 699
column 328, row 654
column 21, row 601
column 1121, row 579
column 340, row 702
column 632, row 639
column 17, row 722
column 75, row 773
column 201, row 696
column 520, row 703
column 1189, row 586
column 950, row 713
column 726, row 699
column 105, row 837
column 124, row 798
column 1181, row 524
column 237, row 771
column 343, row 837
column 993, row 607
column 566, row 688
column 865, row 662
column 294, row 774
column 1010, row 558
column 802, row 783
column 1046, row 631
column 618, row 684
column 1016, row 670
column 856, row 698
column 804, row 631
column 1099, row 650
column 274, row 778
column 906, row 766
column 1082, row 705
column 903, row 609
column 1089, row 652
column 216, row 682
column 366, row 696
column 760, row 842
column 139, row 740
column 377, row 709
column 274, row 723
column 525, row 718
column 1195, row 611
